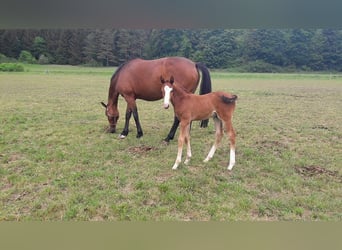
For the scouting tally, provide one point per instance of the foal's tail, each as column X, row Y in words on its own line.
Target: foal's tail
column 205, row 86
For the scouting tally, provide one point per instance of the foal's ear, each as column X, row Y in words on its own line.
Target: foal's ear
column 172, row 80
column 162, row 80
column 104, row 105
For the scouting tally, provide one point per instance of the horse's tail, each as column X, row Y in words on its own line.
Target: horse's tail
column 229, row 100
column 205, row 86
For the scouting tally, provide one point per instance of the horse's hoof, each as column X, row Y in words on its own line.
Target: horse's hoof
column 164, row 142
column 139, row 135
column 110, row 130
column 122, row 136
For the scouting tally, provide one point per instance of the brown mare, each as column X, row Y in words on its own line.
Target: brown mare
column 190, row 107
column 140, row 79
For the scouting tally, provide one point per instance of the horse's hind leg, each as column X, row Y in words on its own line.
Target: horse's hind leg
column 218, row 137
column 137, row 123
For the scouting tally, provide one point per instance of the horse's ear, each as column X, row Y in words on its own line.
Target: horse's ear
column 172, row 80
column 162, row 79
column 104, row 105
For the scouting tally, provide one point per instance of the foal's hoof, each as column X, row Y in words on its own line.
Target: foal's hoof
column 230, row 167
column 140, row 135
column 122, row 136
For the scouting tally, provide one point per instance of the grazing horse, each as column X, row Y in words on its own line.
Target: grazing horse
column 190, row 107
column 140, row 79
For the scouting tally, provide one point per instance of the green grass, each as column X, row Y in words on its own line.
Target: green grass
column 57, row 163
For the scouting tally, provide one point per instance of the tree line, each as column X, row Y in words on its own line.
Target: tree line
column 256, row 50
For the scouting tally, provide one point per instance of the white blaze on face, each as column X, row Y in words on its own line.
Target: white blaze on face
column 167, row 94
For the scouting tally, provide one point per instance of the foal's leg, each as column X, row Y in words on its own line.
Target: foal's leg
column 218, row 138
column 231, row 133
column 181, row 139
column 188, row 147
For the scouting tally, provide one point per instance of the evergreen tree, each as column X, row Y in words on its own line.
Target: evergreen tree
column 105, row 48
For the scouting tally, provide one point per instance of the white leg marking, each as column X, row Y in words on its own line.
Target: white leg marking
column 178, row 159
column 218, row 137
column 188, row 152
column 211, row 153
column 231, row 159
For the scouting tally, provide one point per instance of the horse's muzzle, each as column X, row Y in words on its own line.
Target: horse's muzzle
column 166, row 106
column 111, row 130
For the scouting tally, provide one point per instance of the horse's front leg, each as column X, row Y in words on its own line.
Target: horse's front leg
column 124, row 132
column 131, row 108
column 173, row 130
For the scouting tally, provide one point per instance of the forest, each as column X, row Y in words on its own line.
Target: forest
column 243, row 50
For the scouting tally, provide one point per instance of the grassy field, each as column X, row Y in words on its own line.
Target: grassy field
column 57, row 163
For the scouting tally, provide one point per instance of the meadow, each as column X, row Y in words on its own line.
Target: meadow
column 58, row 164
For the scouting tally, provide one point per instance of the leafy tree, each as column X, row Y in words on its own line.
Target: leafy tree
column 300, row 47
column 267, row 45
column 332, row 49
column 220, row 49
column 43, row 59
column 39, row 47
column 26, row 57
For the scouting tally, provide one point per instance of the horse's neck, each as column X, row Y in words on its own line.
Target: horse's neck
column 178, row 93
column 113, row 98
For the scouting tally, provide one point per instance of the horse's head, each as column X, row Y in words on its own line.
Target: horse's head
column 166, row 90
column 112, row 114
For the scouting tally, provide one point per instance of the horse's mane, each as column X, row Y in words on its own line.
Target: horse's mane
column 113, row 80
column 118, row 70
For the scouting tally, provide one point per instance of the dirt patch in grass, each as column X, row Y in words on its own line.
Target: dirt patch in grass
column 311, row 171
column 140, row 149
column 163, row 177
column 322, row 127
column 276, row 147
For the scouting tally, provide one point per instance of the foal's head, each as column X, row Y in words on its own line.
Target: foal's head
column 112, row 114
column 167, row 87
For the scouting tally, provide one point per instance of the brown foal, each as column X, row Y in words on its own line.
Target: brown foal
column 191, row 107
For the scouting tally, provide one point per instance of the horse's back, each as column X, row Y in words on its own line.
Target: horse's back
column 142, row 77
